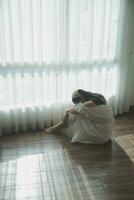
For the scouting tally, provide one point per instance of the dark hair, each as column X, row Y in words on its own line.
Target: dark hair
column 76, row 100
column 95, row 97
column 86, row 95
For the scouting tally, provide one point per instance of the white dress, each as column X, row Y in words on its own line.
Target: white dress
column 91, row 124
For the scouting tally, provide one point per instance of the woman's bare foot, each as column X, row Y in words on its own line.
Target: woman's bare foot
column 50, row 130
column 55, row 128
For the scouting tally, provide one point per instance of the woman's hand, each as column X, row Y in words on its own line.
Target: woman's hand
column 71, row 110
column 67, row 111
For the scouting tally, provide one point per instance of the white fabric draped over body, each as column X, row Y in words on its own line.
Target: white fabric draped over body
column 91, row 124
column 49, row 48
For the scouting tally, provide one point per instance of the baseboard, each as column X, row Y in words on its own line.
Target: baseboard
column 131, row 109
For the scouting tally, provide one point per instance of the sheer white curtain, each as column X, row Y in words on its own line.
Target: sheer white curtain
column 126, row 57
column 48, row 48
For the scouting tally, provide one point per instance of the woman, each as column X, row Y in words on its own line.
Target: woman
column 90, row 119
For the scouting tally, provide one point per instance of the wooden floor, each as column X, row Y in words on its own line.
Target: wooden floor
column 38, row 166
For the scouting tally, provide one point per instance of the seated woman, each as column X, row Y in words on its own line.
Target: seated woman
column 90, row 119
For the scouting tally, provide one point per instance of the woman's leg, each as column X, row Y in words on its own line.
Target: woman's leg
column 59, row 125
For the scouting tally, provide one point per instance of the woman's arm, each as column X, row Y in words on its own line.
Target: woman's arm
column 90, row 104
column 87, row 104
column 71, row 110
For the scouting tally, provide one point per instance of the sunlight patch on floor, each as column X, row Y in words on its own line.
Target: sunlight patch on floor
column 127, row 144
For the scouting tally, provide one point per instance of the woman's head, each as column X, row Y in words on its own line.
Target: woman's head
column 83, row 96
column 80, row 96
column 76, row 97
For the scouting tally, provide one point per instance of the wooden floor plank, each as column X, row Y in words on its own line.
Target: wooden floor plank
column 48, row 167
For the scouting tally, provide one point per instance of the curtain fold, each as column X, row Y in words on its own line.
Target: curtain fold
column 48, row 48
column 126, row 56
